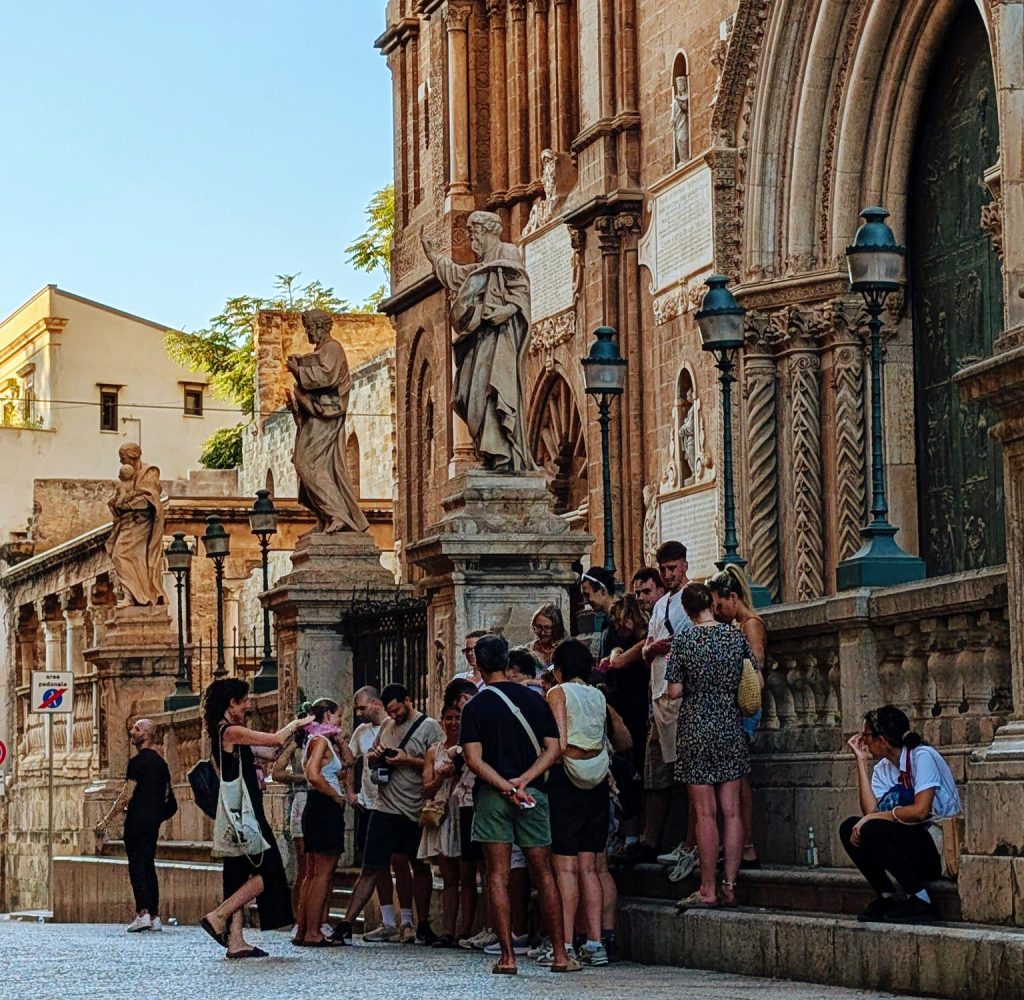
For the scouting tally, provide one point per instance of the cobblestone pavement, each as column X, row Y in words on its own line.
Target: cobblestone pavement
column 72, row 961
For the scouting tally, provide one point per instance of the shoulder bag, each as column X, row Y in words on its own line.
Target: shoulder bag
column 748, row 694
column 236, row 830
column 514, row 709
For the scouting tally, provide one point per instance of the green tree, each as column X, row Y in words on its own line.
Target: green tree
column 372, row 250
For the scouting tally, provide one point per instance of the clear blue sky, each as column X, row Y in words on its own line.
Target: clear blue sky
column 160, row 157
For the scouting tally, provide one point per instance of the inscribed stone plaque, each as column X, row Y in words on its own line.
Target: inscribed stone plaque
column 589, row 62
column 691, row 519
column 679, row 241
column 549, row 265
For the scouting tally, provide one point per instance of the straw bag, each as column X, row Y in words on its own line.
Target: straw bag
column 748, row 694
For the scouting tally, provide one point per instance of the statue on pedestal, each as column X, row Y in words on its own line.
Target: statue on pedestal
column 135, row 545
column 319, row 403
column 681, row 119
column 490, row 318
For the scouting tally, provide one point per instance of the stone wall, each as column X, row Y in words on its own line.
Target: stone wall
column 64, row 508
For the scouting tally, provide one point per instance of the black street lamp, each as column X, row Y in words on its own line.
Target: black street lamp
column 217, row 543
column 720, row 321
column 875, row 263
column 263, row 524
column 604, row 374
column 179, row 562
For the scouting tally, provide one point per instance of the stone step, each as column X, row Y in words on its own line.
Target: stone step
column 168, row 850
column 840, row 891
column 953, row 962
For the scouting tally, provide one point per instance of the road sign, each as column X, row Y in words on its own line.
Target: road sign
column 52, row 692
column 3, row 753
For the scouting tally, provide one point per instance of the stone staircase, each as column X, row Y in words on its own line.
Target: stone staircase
column 800, row 924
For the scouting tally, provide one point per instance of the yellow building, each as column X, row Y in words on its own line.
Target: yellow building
column 77, row 380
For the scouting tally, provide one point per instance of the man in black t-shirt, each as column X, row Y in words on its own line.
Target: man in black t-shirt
column 510, row 740
column 145, row 799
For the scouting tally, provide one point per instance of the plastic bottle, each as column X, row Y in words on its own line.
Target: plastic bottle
column 811, row 853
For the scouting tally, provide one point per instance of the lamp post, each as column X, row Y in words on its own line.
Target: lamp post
column 875, row 262
column 179, row 562
column 720, row 321
column 604, row 375
column 263, row 524
column 217, row 542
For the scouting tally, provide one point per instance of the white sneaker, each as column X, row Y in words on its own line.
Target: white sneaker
column 684, row 866
column 671, row 859
column 548, row 958
column 520, row 946
column 155, row 924
column 140, row 923
column 325, row 929
column 479, row 941
column 545, row 945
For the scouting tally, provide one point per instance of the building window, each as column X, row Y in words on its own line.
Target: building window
column 108, row 409
column 193, row 402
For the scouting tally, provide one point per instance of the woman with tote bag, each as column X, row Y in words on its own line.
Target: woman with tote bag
column 252, row 863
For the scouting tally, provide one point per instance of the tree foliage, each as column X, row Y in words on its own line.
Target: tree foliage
column 223, row 448
column 372, row 250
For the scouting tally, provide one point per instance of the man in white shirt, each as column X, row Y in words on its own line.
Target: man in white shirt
column 667, row 618
column 370, row 713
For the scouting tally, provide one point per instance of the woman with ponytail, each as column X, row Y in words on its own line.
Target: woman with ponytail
column 909, row 786
column 733, row 603
column 225, row 705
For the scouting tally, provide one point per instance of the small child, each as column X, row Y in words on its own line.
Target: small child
column 125, row 498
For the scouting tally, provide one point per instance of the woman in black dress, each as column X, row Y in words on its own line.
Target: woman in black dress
column 260, row 877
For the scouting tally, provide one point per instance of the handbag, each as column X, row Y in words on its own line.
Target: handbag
column 236, row 830
column 205, row 784
column 748, row 694
column 432, row 814
column 948, row 834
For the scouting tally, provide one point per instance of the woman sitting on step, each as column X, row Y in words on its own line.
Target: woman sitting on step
column 909, row 787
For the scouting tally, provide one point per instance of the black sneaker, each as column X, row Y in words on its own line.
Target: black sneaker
column 342, row 932
column 612, row 950
column 878, row 909
column 912, row 911
column 424, row 935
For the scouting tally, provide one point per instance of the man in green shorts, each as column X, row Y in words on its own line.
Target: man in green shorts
column 510, row 740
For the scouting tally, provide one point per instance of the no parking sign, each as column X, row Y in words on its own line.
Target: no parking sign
column 52, row 692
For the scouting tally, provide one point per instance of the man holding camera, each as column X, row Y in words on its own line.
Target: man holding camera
column 393, row 835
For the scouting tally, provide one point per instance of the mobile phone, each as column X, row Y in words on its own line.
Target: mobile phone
column 390, row 752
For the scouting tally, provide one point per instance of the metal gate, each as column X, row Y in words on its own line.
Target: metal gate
column 389, row 644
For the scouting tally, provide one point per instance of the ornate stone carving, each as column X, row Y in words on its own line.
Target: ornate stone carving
column 558, row 175
column 992, row 223
column 848, row 385
column 652, row 534
column 762, row 461
column 680, row 119
column 456, row 16
column 804, row 370
column 690, row 462
column 496, row 13
column 549, row 333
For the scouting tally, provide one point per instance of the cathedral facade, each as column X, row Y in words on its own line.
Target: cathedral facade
column 635, row 147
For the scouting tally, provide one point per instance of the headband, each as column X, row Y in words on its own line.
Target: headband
column 593, row 579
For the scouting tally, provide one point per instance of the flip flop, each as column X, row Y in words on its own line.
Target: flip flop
column 573, row 965
column 322, row 943
column 221, row 938
column 249, row 953
column 504, row 970
column 694, row 902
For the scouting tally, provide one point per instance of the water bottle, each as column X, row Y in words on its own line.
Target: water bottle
column 811, row 853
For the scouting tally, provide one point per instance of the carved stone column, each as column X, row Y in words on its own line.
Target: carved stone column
column 540, row 121
column 499, row 94
column 848, row 388
column 456, row 21
column 518, row 102
column 562, row 101
column 762, row 457
column 804, row 535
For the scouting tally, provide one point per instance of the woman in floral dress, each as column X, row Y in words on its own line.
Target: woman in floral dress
column 704, row 670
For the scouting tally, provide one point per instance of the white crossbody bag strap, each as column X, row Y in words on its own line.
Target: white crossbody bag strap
column 514, row 709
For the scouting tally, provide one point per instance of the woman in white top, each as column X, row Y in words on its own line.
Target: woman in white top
column 578, row 793
column 329, row 774
column 908, row 787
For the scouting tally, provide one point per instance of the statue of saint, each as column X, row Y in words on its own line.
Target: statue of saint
column 490, row 318
column 319, row 402
column 135, row 545
column 681, row 119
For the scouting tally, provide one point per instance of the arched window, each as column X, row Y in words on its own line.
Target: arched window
column 957, row 296
column 352, row 464
column 680, row 116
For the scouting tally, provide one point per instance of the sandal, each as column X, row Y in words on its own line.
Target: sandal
column 728, row 890
column 249, row 953
column 322, row 943
column 573, row 965
column 504, row 970
column 694, row 902
column 221, row 938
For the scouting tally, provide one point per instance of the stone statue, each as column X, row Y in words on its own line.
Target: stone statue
column 319, row 402
column 558, row 176
column 136, row 543
column 681, row 119
column 490, row 318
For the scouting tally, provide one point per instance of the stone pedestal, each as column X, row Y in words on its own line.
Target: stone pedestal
column 313, row 656
column 135, row 670
column 498, row 553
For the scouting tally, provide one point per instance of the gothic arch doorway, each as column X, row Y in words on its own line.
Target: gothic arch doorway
column 559, row 444
column 956, row 295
